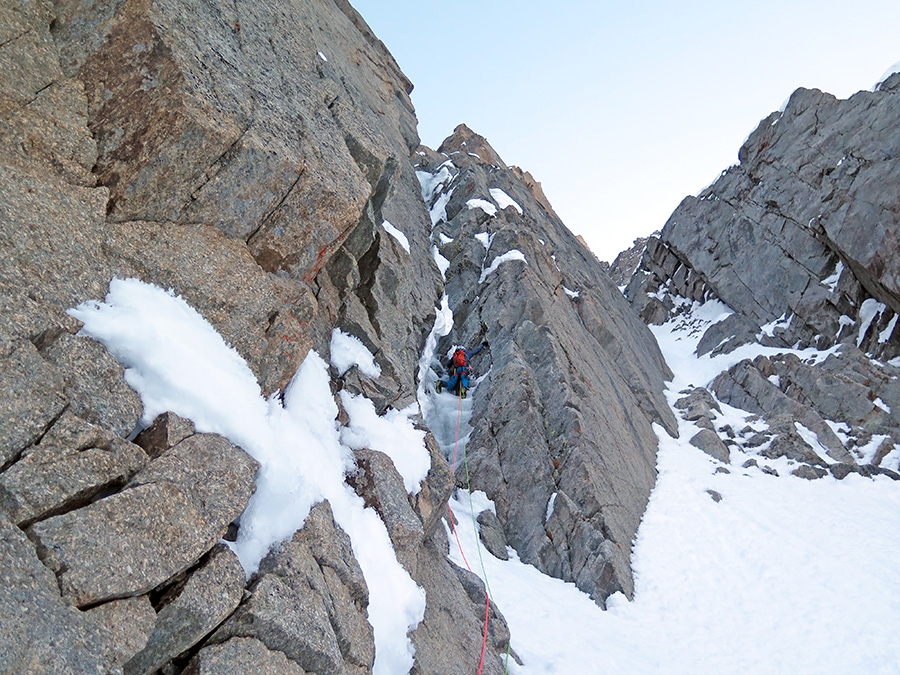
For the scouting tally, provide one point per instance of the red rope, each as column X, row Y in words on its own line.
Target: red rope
column 487, row 597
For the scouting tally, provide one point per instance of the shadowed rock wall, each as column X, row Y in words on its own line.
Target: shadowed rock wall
column 572, row 380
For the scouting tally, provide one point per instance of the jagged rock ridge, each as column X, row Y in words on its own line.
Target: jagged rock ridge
column 799, row 239
column 626, row 263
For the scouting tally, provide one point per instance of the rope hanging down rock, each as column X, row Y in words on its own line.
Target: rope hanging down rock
column 487, row 592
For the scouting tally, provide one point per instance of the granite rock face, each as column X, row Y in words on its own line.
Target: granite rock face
column 802, row 230
column 170, row 514
column 43, row 634
column 207, row 598
column 798, row 243
column 310, row 601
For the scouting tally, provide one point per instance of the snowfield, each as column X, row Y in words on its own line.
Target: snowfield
column 736, row 572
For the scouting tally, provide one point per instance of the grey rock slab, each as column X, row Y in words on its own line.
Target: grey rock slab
column 580, row 547
column 31, row 398
column 211, row 594
column 49, row 132
column 454, row 615
column 709, row 442
column 252, row 311
column 74, row 462
column 809, row 191
column 573, row 384
column 171, row 513
column 377, row 481
column 288, row 618
column 52, row 239
column 29, row 57
column 247, row 656
column 310, row 601
column 126, row 544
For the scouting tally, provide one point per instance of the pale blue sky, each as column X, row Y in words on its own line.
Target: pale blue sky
column 621, row 109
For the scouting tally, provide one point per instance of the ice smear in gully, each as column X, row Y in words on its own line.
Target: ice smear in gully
column 176, row 361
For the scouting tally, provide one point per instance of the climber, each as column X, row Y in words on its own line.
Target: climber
column 458, row 381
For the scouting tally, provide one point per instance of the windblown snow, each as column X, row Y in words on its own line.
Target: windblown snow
column 514, row 254
column 396, row 234
column 176, row 361
column 483, row 204
column 503, row 200
column 348, row 350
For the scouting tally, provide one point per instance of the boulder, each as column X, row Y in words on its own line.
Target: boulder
column 170, row 514
column 809, row 472
column 490, row 532
column 746, row 387
column 247, row 656
column 727, row 335
column 74, row 462
column 709, row 442
column 166, row 431
column 698, row 404
column 211, row 594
